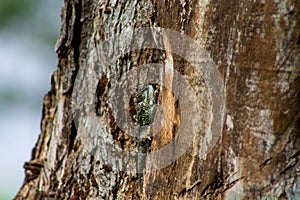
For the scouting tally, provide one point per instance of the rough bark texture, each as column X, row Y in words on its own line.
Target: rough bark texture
column 256, row 47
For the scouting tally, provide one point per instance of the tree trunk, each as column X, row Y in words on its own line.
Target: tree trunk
column 157, row 99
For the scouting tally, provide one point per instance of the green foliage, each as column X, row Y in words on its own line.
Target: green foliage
column 11, row 8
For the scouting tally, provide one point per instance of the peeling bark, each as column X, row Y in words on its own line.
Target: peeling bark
column 256, row 48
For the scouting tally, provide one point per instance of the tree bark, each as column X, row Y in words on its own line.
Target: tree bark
column 247, row 149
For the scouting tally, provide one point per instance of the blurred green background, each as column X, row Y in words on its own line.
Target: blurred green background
column 28, row 33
